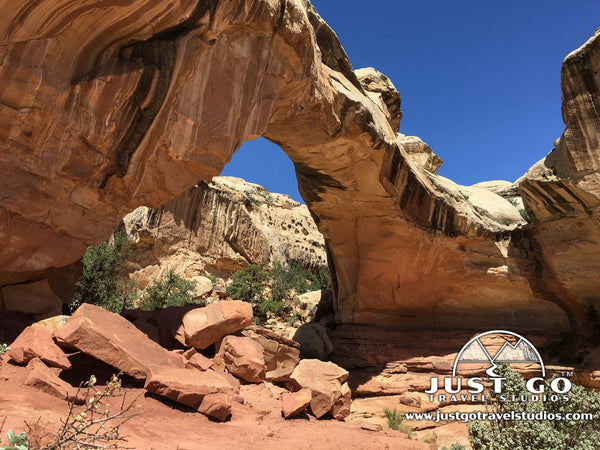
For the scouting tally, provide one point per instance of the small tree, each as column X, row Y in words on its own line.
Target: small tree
column 170, row 290
column 99, row 283
column 248, row 284
column 293, row 278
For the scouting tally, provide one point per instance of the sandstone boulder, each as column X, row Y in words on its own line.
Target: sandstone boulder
column 410, row 399
column 244, row 358
column 36, row 342
column 160, row 325
column 112, row 339
column 420, row 152
column 190, row 387
column 280, row 358
column 217, row 406
column 308, row 304
column 324, row 379
column 201, row 327
column 341, row 408
column 197, row 360
column 203, row 286
column 46, row 380
column 53, row 323
column 294, row 403
column 314, row 341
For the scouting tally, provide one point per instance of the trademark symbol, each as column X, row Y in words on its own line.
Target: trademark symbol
column 566, row 373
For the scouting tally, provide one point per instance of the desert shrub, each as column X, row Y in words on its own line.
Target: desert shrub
column 455, row 446
column 99, row 283
column 294, row 318
column 323, row 279
column 94, row 424
column 503, row 434
column 524, row 214
column 3, row 349
column 394, row 422
column 293, row 278
column 267, row 306
column 213, row 279
column 17, row 441
column 170, row 290
column 288, row 278
column 248, row 284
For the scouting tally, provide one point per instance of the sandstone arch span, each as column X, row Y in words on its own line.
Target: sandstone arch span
column 105, row 107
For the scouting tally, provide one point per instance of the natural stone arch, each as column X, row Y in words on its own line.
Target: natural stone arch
column 105, row 109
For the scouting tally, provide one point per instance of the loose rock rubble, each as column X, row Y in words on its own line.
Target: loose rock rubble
column 187, row 376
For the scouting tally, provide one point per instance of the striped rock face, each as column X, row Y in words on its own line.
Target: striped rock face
column 105, row 107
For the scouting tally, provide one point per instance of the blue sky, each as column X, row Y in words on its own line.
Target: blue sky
column 479, row 80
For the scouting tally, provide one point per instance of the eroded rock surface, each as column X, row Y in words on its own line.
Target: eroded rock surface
column 106, row 107
column 219, row 227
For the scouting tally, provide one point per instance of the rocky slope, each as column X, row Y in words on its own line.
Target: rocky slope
column 219, row 227
column 107, row 107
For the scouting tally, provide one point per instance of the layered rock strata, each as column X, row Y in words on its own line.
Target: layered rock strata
column 105, row 107
column 219, row 227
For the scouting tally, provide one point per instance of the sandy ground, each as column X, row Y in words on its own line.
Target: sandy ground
column 257, row 424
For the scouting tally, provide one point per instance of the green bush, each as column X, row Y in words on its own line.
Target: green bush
column 537, row 434
column 248, row 284
column 213, row 279
column 394, row 422
column 17, row 441
column 286, row 279
column 291, row 279
column 99, row 283
column 271, row 306
column 171, row 290
column 455, row 446
column 524, row 214
column 3, row 349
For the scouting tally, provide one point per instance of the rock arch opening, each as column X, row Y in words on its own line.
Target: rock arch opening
column 97, row 121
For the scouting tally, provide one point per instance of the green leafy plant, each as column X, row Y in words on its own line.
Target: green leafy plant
column 213, row 279
column 503, row 434
column 394, row 422
column 294, row 279
column 3, row 349
column 264, row 192
column 170, row 290
column 288, row 278
column 248, row 284
column 17, row 441
column 455, row 446
column 99, row 283
column 271, row 306
column 293, row 319
column 465, row 196
column 524, row 214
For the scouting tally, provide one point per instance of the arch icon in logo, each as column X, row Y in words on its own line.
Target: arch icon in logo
column 520, row 350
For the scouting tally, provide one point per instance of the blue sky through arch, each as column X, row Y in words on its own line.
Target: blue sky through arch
column 479, row 81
